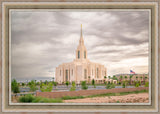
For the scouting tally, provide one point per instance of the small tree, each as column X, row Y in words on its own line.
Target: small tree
column 46, row 82
column 67, row 83
column 46, row 88
column 93, row 83
column 145, row 79
column 125, row 77
column 130, row 77
column 137, row 78
column 37, row 83
column 23, row 84
column 110, row 86
column 84, row 85
column 109, row 77
column 146, row 84
column 114, row 77
column 14, row 86
column 55, row 84
column 121, row 77
column 32, row 86
column 73, row 88
column 137, row 84
column 123, row 85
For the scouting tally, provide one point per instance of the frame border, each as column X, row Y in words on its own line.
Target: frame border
column 6, row 5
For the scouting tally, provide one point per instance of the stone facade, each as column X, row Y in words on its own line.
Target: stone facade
column 81, row 69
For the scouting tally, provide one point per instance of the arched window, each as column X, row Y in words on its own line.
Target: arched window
column 66, row 75
column 78, row 54
column 85, row 73
column 84, row 54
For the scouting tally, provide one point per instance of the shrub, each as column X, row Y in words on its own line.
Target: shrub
column 14, row 86
column 84, row 86
column 72, row 97
column 93, row 82
column 32, row 86
column 67, row 83
column 27, row 98
column 73, row 88
column 118, row 102
column 110, row 86
column 47, row 100
column 137, row 84
column 146, row 84
column 46, row 88
column 123, row 85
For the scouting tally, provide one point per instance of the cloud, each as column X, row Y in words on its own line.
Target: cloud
column 43, row 40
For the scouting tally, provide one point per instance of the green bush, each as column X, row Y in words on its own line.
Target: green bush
column 93, row 82
column 72, row 97
column 47, row 100
column 73, row 88
column 110, row 86
column 84, row 86
column 146, row 84
column 46, row 88
column 32, row 86
column 67, row 83
column 123, row 85
column 29, row 98
column 137, row 84
column 14, row 86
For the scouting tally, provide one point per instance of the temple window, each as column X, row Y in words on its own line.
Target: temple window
column 85, row 73
column 78, row 54
column 66, row 75
column 84, row 54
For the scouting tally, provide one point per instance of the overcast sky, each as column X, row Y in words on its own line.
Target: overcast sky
column 43, row 40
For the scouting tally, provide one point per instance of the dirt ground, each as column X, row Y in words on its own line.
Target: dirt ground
column 131, row 98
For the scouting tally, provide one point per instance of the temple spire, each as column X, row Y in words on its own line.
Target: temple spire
column 81, row 30
column 81, row 41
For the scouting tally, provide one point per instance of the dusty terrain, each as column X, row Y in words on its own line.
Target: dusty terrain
column 131, row 98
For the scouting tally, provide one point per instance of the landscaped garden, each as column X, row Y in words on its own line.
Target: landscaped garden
column 26, row 92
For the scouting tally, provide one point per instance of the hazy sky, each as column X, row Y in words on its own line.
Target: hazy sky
column 43, row 40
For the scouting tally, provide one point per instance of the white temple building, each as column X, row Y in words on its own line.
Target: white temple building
column 81, row 69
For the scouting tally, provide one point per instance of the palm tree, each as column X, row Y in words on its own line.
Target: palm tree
column 121, row 77
column 114, row 77
column 130, row 77
column 137, row 78
column 141, row 78
column 125, row 77
column 105, row 78
column 109, row 77
column 145, row 79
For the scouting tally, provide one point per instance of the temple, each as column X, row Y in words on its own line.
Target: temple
column 81, row 69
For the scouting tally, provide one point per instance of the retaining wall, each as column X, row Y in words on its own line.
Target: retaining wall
column 87, row 92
